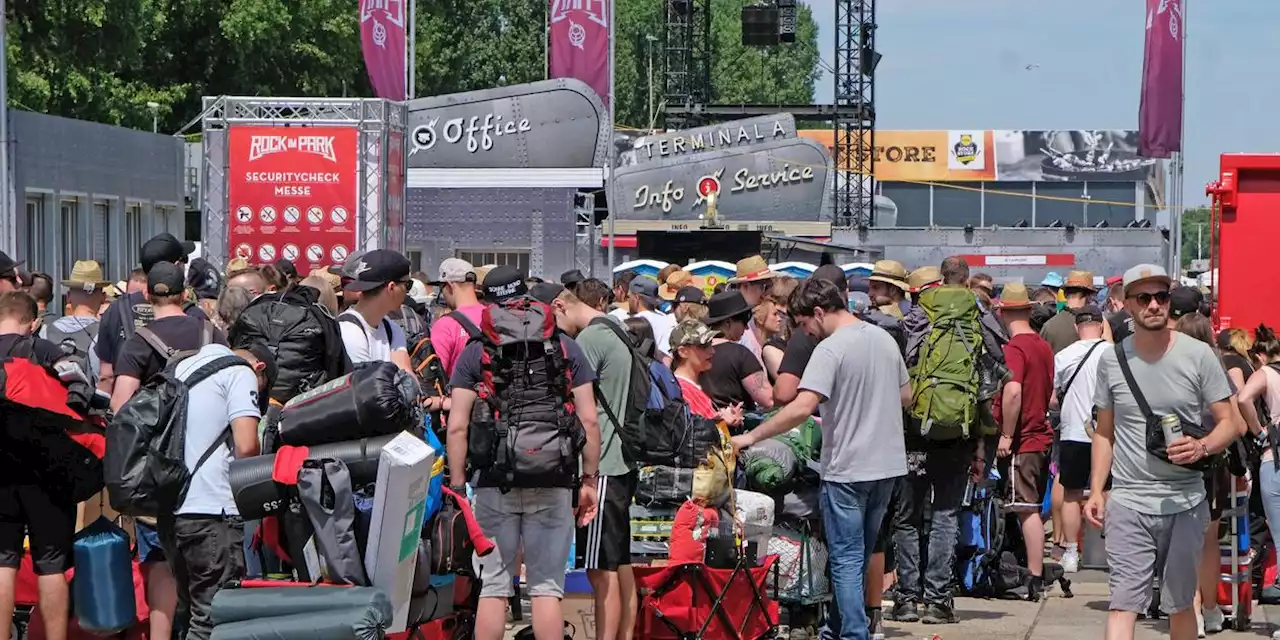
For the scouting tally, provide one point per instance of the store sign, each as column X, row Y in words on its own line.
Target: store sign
column 738, row 133
column 926, row 156
column 775, row 180
column 292, row 194
column 550, row 124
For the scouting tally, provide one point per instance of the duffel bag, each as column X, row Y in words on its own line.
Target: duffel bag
column 376, row 399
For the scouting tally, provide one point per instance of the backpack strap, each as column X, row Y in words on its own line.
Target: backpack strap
column 1079, row 367
column 23, row 348
column 473, row 332
column 156, row 342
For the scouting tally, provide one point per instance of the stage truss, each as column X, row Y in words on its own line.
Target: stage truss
column 376, row 120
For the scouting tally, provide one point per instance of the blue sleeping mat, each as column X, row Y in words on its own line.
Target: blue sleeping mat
column 355, row 623
column 256, row 605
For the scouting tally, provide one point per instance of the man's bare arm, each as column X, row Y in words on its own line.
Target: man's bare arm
column 757, row 385
column 462, row 399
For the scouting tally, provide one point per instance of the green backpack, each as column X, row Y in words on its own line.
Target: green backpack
column 945, row 379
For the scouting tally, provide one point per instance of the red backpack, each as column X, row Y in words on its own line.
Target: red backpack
column 524, row 432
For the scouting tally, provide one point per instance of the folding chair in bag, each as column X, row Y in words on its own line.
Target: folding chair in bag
column 693, row 601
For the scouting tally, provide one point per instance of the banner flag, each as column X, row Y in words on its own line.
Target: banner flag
column 1160, row 112
column 578, row 46
column 384, row 41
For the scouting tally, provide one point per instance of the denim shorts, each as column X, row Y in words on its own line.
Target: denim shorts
column 148, row 543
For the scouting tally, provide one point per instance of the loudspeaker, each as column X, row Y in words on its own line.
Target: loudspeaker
column 760, row 26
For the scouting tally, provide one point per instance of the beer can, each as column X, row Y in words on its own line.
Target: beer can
column 1172, row 426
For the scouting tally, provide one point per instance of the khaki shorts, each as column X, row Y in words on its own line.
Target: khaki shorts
column 540, row 521
column 1139, row 545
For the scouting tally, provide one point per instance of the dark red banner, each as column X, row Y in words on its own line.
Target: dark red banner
column 579, row 42
column 292, row 194
column 395, row 191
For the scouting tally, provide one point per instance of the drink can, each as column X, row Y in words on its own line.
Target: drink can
column 1172, row 426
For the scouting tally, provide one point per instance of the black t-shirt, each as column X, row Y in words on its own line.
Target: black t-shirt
column 1234, row 361
column 133, row 306
column 799, row 349
column 43, row 352
column 723, row 382
column 138, row 359
column 1121, row 325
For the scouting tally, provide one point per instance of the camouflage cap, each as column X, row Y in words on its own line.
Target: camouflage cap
column 691, row 333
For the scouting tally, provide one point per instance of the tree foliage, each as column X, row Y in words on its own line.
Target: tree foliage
column 1195, row 235
column 104, row 60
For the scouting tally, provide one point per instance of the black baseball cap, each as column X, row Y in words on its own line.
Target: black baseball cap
column 376, row 269
column 503, row 282
column 572, row 277
column 166, row 279
column 1184, row 301
column 645, row 287
column 9, row 266
column 163, row 248
column 833, row 274
column 546, row 292
column 691, row 294
column 1088, row 313
column 287, row 268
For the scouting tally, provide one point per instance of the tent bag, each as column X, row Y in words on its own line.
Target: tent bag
column 325, row 489
column 664, row 486
column 376, row 399
column 770, row 464
column 102, row 586
column 251, row 605
column 257, row 495
column 331, row 623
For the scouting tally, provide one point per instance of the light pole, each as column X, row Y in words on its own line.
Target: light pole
column 653, row 116
column 155, row 117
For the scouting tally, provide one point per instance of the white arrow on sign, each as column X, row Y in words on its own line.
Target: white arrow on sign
column 268, row 214
column 338, row 215
column 338, row 253
column 267, row 253
column 315, row 253
column 291, row 214
column 244, row 214
column 315, row 215
column 289, row 252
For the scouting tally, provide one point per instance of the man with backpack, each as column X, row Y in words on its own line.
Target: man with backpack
column 77, row 332
column 381, row 277
column 170, row 330
column 524, row 419
column 604, row 545
column 451, row 333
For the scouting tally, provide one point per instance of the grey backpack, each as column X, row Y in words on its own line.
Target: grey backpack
column 324, row 487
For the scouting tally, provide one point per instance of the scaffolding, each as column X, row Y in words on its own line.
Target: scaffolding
column 687, row 60
column 855, row 65
column 376, row 120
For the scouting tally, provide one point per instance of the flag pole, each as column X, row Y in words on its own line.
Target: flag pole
column 1179, row 182
column 609, row 190
column 411, row 51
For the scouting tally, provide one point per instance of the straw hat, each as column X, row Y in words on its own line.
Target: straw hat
column 923, row 278
column 675, row 282
column 890, row 272
column 1079, row 280
column 237, row 264
column 86, row 275
column 1014, row 296
column 752, row 269
column 334, row 280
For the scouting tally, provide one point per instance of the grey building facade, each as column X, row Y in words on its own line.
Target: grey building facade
column 85, row 190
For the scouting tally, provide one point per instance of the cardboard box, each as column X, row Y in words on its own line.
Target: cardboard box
column 399, row 504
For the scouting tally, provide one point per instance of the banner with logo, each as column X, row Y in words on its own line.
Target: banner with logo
column 578, row 46
column 383, row 40
column 925, row 155
column 1160, row 108
column 292, row 194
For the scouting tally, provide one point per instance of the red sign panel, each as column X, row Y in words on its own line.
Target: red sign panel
column 395, row 191
column 1038, row 260
column 292, row 194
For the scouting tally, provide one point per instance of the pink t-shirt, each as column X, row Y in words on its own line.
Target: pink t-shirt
column 448, row 337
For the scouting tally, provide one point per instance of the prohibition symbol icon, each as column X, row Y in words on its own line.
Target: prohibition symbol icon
column 315, row 215
column 291, row 214
column 244, row 215
column 338, row 253
column 267, row 253
column 315, row 253
column 268, row 214
column 243, row 250
column 338, row 215
column 289, row 252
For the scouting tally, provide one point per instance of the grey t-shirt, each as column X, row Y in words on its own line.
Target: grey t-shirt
column 611, row 360
column 229, row 394
column 859, row 372
column 1185, row 381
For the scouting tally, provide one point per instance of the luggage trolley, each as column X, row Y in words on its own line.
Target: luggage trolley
column 1235, row 584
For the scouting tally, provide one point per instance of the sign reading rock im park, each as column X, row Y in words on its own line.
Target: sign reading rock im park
column 541, row 125
column 784, row 179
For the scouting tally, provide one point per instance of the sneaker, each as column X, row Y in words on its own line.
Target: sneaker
column 1199, row 625
column 1214, row 620
column 873, row 623
column 938, row 613
column 904, row 611
column 1070, row 561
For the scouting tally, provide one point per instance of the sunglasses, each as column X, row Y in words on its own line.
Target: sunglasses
column 1144, row 299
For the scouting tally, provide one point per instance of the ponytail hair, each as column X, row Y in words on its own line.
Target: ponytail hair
column 1265, row 342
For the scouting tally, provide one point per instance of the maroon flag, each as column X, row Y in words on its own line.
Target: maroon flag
column 1160, row 113
column 383, row 39
column 579, row 42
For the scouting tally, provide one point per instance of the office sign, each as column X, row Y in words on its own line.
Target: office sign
column 550, row 124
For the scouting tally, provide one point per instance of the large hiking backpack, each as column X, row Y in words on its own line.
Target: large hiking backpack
column 655, row 424
column 426, row 362
column 300, row 333
column 75, row 345
column 411, row 323
column 945, row 379
column 524, row 432
column 145, row 463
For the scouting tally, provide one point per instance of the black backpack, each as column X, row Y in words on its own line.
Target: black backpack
column 300, row 333
column 411, row 322
column 145, row 463
column 651, row 433
column 426, row 363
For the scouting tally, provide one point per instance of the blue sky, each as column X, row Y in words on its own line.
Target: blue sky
column 952, row 64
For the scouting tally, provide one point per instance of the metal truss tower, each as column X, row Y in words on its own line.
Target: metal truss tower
column 686, row 64
column 855, row 65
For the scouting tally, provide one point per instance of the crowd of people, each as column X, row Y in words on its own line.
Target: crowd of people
column 1118, row 401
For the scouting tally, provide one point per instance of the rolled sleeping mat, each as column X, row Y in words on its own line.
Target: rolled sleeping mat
column 257, row 495
column 354, row 623
column 240, row 605
column 374, row 400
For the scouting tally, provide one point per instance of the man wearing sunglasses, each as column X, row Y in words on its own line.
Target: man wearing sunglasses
column 1156, row 513
column 381, row 277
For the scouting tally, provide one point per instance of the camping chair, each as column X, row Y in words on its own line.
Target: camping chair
column 694, row 601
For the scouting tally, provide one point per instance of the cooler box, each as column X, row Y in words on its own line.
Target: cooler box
column 404, row 471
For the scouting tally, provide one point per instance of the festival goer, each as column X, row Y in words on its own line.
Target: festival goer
column 457, row 282
column 1155, row 514
column 621, row 291
column 889, row 288
column 231, row 303
column 736, row 376
column 382, row 279
column 249, row 279
column 693, row 348
column 690, row 303
column 642, row 300
column 779, row 325
column 78, row 330
column 1060, row 331
column 752, row 279
column 9, row 273
column 801, row 345
column 41, row 288
column 858, row 380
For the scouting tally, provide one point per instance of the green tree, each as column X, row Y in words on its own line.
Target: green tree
column 466, row 45
column 1195, row 235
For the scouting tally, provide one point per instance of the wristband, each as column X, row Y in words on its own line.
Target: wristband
column 1204, row 449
